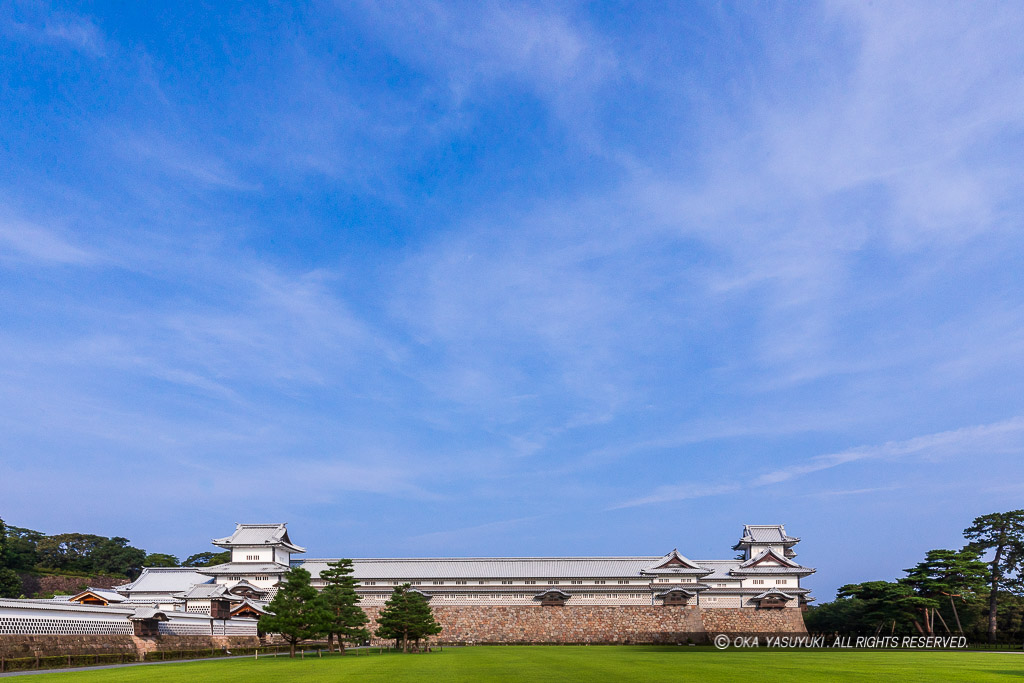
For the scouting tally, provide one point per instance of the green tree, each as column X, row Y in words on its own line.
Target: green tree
column 19, row 551
column 10, row 583
column 207, row 559
column 115, row 556
column 71, row 552
column 1002, row 533
column 889, row 602
column 348, row 621
column 296, row 612
column 160, row 560
column 842, row 616
column 406, row 617
column 947, row 574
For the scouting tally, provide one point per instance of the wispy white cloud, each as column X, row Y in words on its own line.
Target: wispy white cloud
column 853, row 492
column 468, row 533
column 25, row 240
column 60, row 29
column 1006, row 436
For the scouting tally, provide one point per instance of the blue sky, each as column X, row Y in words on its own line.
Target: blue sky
column 513, row 279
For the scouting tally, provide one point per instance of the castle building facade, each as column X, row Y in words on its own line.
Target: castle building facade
column 666, row 598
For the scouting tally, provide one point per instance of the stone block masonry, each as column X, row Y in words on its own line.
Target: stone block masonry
column 755, row 621
column 49, row 645
column 640, row 624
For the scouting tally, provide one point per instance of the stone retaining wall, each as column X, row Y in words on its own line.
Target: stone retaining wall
column 507, row 624
column 36, row 584
column 17, row 646
column 754, row 621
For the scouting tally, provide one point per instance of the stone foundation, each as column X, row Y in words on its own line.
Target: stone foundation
column 15, row 646
column 23, row 646
column 755, row 621
column 628, row 624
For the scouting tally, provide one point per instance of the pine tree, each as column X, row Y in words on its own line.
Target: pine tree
column 348, row 621
column 422, row 618
column 946, row 574
column 297, row 612
column 1003, row 533
column 406, row 617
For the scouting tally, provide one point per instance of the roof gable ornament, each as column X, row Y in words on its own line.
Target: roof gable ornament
column 259, row 535
column 769, row 558
column 676, row 563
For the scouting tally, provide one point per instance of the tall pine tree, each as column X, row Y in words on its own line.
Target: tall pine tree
column 297, row 612
column 1002, row 533
column 348, row 621
column 406, row 617
column 952, row 574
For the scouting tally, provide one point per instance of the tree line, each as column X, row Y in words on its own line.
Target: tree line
column 977, row 590
column 27, row 550
column 299, row 612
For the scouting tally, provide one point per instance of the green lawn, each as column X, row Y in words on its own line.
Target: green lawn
column 622, row 663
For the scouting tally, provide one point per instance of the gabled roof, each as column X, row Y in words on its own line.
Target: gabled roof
column 243, row 585
column 245, row 568
column 765, row 533
column 676, row 563
column 770, row 562
column 553, row 591
column 428, row 568
column 210, row 591
column 419, row 592
column 259, row 535
column 164, row 580
column 148, row 613
column 677, row 589
column 257, row 606
column 773, row 594
column 107, row 595
column 768, row 557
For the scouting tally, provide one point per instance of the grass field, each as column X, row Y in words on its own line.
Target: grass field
column 622, row 663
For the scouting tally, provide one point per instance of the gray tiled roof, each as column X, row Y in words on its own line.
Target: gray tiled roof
column 765, row 533
column 488, row 567
column 259, row 535
column 719, row 570
column 425, row 569
column 148, row 613
column 770, row 593
column 784, row 565
column 107, row 594
column 772, row 571
column 258, row 605
column 241, row 568
column 164, row 580
column 768, row 553
column 690, row 567
column 206, row 591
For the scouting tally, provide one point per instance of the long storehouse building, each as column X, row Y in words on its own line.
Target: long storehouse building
column 766, row 578
column 655, row 598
